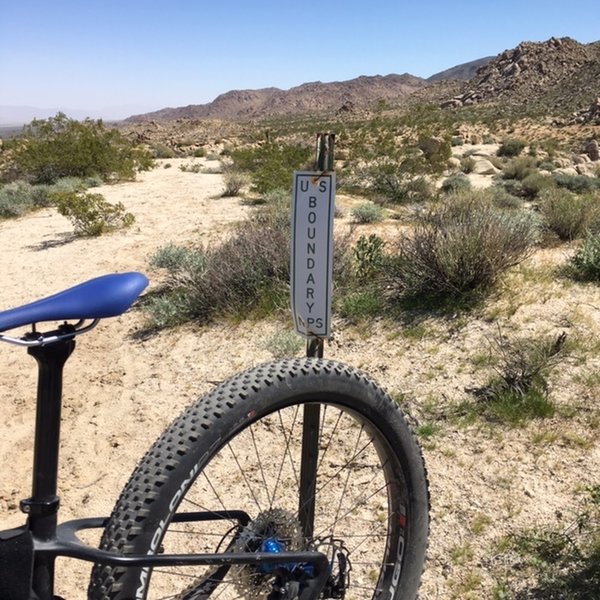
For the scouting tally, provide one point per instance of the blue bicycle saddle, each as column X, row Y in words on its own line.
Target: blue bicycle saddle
column 106, row 296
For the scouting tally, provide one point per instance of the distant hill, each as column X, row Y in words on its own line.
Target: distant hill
column 462, row 72
column 339, row 96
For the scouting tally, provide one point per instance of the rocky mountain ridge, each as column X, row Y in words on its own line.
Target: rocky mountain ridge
column 557, row 77
column 531, row 72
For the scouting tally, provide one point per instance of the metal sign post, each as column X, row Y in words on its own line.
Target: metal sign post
column 312, row 247
column 311, row 269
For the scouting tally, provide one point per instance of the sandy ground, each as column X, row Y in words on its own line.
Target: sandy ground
column 120, row 391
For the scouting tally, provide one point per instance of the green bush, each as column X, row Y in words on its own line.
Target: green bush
column 459, row 249
column 284, row 344
column 92, row 214
column 367, row 212
column 361, row 304
column 511, row 147
column 519, row 390
column 19, row 197
column 235, row 181
column 248, row 272
column 393, row 182
column 162, row 151
column 467, row 164
column 455, row 184
column 271, row 165
column 567, row 215
column 535, row 183
column 61, row 147
column 585, row 263
column 579, row 184
column 518, row 168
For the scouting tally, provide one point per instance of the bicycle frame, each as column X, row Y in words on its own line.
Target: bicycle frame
column 51, row 540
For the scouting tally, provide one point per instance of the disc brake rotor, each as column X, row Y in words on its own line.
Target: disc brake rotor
column 273, row 530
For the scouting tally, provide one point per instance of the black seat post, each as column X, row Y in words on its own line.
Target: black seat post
column 42, row 507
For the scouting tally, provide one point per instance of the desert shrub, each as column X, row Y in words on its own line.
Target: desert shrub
column 519, row 389
column 511, row 147
column 585, row 263
column 271, row 165
column 518, row 168
column 61, row 147
column 367, row 212
column 162, row 151
column 395, row 182
column 191, row 167
column 546, row 165
column 467, row 164
column 284, row 344
column 501, row 198
column 579, row 184
column 536, row 183
column 19, row 197
column 361, row 304
column 235, row 181
column 182, row 263
column 92, row 214
column 15, row 199
column 199, row 153
column 567, row 215
column 248, row 272
column 459, row 249
column 455, row 184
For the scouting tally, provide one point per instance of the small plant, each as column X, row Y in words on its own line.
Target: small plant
column 271, row 165
column 234, row 182
column 567, row 215
column 162, row 151
column 367, row 213
column 518, row 168
column 467, row 164
column 91, row 214
column 511, row 147
column 19, row 197
column 284, row 344
column 535, row 183
column 585, row 263
column 519, row 390
column 191, row 167
column 361, row 304
column 369, row 257
column 455, row 184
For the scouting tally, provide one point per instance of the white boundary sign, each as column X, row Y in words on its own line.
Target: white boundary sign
column 313, row 198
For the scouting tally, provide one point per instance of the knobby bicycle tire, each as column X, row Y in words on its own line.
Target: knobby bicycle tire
column 240, row 448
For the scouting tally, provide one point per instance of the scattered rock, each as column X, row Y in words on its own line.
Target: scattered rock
column 484, row 167
column 592, row 150
column 566, row 171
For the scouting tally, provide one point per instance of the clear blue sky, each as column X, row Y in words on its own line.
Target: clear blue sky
column 92, row 54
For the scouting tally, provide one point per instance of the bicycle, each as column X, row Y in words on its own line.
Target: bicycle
column 294, row 479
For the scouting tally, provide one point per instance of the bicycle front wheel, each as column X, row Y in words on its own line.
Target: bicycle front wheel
column 314, row 454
